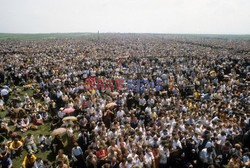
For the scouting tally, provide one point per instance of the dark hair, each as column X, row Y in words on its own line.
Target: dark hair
column 45, row 162
column 209, row 149
column 59, row 162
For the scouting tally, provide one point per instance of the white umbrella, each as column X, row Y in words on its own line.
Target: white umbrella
column 6, row 87
column 71, row 118
column 58, row 131
column 4, row 92
column 111, row 105
column 56, row 80
column 114, row 93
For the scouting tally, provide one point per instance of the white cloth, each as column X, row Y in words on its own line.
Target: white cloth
column 149, row 157
column 164, row 154
column 176, row 144
column 120, row 113
column 206, row 157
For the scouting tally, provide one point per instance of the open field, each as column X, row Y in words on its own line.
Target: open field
column 8, row 36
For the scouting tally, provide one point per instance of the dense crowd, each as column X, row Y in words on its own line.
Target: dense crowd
column 197, row 115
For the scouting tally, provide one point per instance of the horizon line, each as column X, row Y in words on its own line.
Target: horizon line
column 237, row 34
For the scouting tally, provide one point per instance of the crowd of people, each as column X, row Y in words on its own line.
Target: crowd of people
column 197, row 116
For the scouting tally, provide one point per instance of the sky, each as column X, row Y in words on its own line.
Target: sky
column 125, row 16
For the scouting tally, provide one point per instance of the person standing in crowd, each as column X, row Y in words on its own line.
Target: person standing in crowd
column 56, row 145
column 77, row 155
column 62, row 157
column 164, row 155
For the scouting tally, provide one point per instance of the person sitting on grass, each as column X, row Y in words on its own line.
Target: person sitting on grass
column 6, row 161
column 29, row 160
column 47, row 142
column 38, row 163
column 16, row 147
column 45, row 116
column 25, row 124
column 13, row 119
column 17, row 123
column 41, row 141
column 37, row 119
column 30, row 143
column 4, row 129
column 3, row 150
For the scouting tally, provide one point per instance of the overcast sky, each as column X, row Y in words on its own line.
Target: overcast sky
column 145, row 16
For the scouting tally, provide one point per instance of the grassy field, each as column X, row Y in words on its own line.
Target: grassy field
column 217, row 36
column 43, row 129
column 8, row 36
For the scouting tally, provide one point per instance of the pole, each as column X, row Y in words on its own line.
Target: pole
column 98, row 36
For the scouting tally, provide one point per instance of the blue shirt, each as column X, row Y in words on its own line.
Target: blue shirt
column 6, row 163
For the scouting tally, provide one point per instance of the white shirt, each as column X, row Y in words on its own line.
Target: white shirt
column 76, row 151
column 137, row 162
column 149, row 157
column 39, row 164
column 222, row 139
column 120, row 113
column 60, row 114
column 46, row 100
column 30, row 140
column 148, row 110
column 176, row 144
column 205, row 156
column 40, row 139
column 164, row 154
column 1, row 102
column 48, row 140
column 59, row 94
column 142, row 102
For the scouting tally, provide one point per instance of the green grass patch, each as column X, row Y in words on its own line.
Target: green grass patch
column 9, row 36
column 42, row 36
column 43, row 129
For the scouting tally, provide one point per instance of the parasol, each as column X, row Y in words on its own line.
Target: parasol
column 56, row 80
column 71, row 118
column 114, row 93
column 68, row 110
column 4, row 92
column 109, row 105
column 58, row 131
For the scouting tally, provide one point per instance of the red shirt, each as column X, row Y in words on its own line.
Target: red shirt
column 101, row 154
